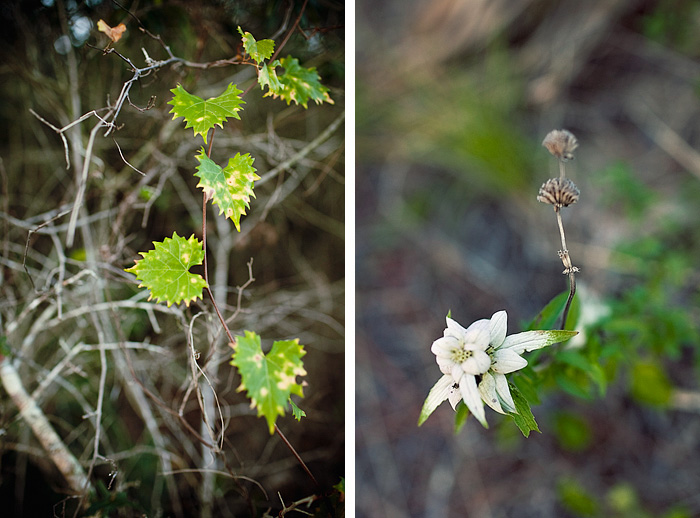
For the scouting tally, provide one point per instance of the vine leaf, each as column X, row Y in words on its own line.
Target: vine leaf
column 201, row 115
column 230, row 187
column 258, row 50
column 299, row 84
column 267, row 76
column 269, row 379
column 165, row 270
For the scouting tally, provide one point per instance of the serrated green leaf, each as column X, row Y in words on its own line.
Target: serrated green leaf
column 258, row 50
column 230, row 187
column 269, row 379
column 267, row 76
column 524, row 418
column 298, row 412
column 201, row 115
column 165, row 270
column 300, row 84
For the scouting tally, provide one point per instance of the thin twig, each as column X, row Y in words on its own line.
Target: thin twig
column 296, row 455
column 125, row 160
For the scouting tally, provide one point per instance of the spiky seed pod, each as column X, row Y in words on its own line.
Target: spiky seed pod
column 560, row 192
column 561, row 144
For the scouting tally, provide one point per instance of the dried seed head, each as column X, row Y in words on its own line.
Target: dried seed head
column 560, row 192
column 561, row 143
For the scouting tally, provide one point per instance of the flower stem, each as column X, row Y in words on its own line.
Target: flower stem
column 569, row 268
column 572, row 292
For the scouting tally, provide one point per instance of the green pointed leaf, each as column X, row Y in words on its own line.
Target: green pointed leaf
column 298, row 412
column 258, row 50
column 524, row 418
column 201, row 115
column 551, row 314
column 462, row 412
column 269, row 379
column 230, row 187
column 165, row 270
column 300, row 84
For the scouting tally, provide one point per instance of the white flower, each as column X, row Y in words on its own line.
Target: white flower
column 475, row 360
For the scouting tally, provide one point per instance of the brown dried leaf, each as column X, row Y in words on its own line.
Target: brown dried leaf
column 114, row 33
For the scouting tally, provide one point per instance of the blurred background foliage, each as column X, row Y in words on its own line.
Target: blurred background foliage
column 52, row 63
column 453, row 101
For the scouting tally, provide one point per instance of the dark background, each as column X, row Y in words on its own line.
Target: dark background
column 453, row 101
column 293, row 232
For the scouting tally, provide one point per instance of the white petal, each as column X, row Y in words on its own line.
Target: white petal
column 503, row 392
column 437, row 395
column 478, row 335
column 487, row 389
column 472, row 398
column 456, row 372
column 478, row 363
column 526, row 342
column 498, row 326
column 455, row 396
column 495, row 393
column 506, row 361
column 454, row 329
column 445, row 365
column 444, row 346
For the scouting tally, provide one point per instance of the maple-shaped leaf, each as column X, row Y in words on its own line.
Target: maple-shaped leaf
column 201, row 115
column 269, row 379
column 230, row 187
column 299, row 84
column 165, row 270
column 258, row 50
column 113, row 33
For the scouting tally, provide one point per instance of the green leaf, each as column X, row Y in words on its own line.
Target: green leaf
column 524, row 418
column 164, row 270
column 267, row 76
column 269, row 379
column 300, row 84
column 258, row 50
column 574, row 382
column 230, row 187
column 298, row 412
column 462, row 412
column 4, row 346
column 589, row 366
column 576, row 500
column 201, row 115
column 551, row 314
column 650, row 384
